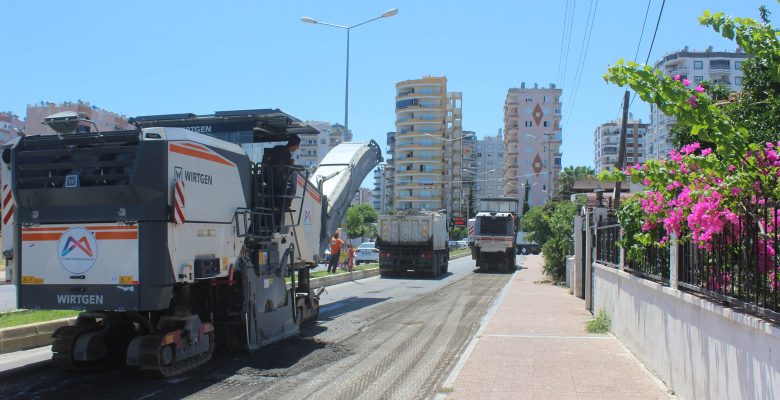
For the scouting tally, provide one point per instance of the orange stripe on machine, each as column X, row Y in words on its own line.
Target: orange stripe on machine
column 202, row 153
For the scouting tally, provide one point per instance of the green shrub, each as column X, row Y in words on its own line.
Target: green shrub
column 600, row 324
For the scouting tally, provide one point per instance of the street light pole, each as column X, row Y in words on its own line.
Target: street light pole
column 308, row 20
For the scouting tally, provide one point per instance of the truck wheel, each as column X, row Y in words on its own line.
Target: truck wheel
column 434, row 266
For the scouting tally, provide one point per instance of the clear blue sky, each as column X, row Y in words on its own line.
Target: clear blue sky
column 153, row 57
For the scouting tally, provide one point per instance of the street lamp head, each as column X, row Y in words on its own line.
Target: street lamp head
column 390, row 13
column 309, row 20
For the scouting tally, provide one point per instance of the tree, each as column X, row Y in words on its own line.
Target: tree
column 551, row 225
column 472, row 203
column 569, row 175
column 360, row 221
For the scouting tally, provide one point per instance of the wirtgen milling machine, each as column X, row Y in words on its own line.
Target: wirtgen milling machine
column 171, row 240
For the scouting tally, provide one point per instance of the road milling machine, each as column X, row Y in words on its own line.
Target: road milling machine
column 174, row 242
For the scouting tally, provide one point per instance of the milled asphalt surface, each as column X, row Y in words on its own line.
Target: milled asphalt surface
column 376, row 338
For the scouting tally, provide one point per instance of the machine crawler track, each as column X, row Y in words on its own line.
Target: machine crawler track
column 160, row 361
column 62, row 348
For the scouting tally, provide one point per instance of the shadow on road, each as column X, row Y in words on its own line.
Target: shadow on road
column 333, row 310
column 421, row 276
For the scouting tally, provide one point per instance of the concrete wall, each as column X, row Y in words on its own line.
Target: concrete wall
column 700, row 349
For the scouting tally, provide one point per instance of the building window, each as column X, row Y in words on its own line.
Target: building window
column 557, row 161
column 529, row 124
column 529, row 99
column 323, row 141
column 547, row 99
column 720, row 64
column 630, row 159
column 683, row 76
column 698, row 78
column 698, row 65
column 738, row 65
column 737, row 80
column 546, row 124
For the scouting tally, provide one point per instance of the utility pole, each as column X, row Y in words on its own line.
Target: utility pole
column 621, row 161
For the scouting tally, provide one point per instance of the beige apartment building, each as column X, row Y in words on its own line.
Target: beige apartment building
column 532, row 141
column 606, row 144
column 426, row 171
column 101, row 119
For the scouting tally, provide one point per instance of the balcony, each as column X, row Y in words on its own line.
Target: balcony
column 418, row 94
column 429, row 160
column 417, row 172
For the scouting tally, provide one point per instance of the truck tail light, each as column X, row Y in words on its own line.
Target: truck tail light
column 426, row 255
column 385, row 254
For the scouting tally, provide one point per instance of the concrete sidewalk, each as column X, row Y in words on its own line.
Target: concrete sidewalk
column 534, row 346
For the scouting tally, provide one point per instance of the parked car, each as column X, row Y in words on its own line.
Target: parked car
column 366, row 253
column 462, row 244
column 453, row 244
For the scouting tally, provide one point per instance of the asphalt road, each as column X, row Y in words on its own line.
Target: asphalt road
column 376, row 338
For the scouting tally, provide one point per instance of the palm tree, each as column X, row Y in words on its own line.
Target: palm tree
column 569, row 175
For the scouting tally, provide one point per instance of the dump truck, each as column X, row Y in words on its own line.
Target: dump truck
column 174, row 242
column 413, row 241
column 494, row 234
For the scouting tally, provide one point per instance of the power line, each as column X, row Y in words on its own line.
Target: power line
column 563, row 40
column 652, row 42
column 568, row 44
column 657, row 22
column 642, row 32
column 584, row 51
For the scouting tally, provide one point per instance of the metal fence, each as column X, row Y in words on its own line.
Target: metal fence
column 653, row 262
column 739, row 267
column 607, row 250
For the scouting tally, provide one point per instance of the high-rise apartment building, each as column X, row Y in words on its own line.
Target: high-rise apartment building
column 362, row 196
column 9, row 124
column 718, row 67
column 315, row 147
column 101, row 119
column 606, row 143
column 379, row 200
column 532, row 141
column 428, row 147
column 489, row 180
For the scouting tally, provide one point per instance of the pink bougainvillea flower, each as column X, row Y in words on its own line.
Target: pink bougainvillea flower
column 693, row 102
column 677, row 77
column 689, row 148
column 700, row 88
column 732, row 168
column 706, row 151
column 686, row 82
column 646, row 182
column 769, row 145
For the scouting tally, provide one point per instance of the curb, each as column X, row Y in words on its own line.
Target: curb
column 27, row 337
column 30, row 336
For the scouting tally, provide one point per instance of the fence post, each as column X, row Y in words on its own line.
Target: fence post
column 673, row 261
column 622, row 259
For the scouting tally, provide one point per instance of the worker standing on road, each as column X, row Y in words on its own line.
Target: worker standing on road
column 335, row 251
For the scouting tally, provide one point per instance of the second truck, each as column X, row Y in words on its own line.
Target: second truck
column 494, row 244
column 413, row 241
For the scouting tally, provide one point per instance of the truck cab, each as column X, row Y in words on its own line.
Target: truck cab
column 494, row 235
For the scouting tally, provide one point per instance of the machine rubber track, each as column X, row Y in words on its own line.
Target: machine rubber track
column 152, row 363
column 62, row 348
